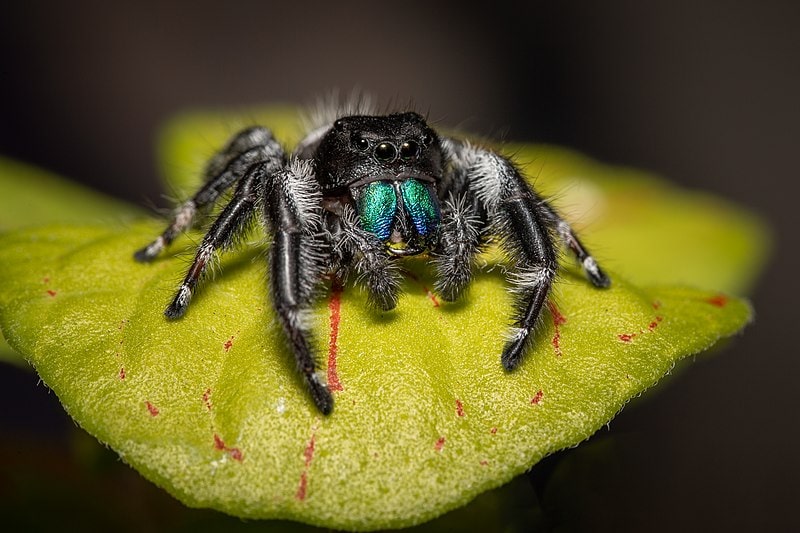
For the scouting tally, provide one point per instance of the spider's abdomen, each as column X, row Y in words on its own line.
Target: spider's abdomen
column 402, row 213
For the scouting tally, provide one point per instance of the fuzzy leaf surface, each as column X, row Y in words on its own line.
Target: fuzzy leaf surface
column 33, row 196
column 210, row 407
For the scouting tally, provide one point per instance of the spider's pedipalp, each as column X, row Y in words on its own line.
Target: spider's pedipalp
column 458, row 244
column 375, row 268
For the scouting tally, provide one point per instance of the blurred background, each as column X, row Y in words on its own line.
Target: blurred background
column 705, row 93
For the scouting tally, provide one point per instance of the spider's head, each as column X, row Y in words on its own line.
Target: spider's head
column 389, row 166
column 360, row 147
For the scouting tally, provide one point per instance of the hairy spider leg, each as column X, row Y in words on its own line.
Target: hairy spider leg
column 522, row 223
column 248, row 147
column 297, row 266
column 589, row 264
column 223, row 232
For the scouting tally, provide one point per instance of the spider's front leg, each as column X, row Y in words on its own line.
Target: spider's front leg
column 297, row 266
column 526, row 225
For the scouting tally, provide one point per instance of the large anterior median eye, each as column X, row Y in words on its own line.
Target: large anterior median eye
column 420, row 205
column 376, row 206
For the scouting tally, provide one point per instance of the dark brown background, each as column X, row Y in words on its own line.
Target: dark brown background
column 705, row 93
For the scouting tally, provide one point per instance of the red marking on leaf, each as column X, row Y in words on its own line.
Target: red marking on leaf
column 626, row 337
column 459, row 408
column 45, row 280
column 656, row 304
column 484, row 462
column 228, row 343
column 653, row 325
column 152, row 408
column 308, row 453
column 51, row 293
column 425, row 289
column 558, row 320
column 235, row 453
column 719, row 301
column 439, row 444
column 493, row 431
column 301, row 488
column 537, row 398
column 334, row 307
column 122, row 372
column 207, row 398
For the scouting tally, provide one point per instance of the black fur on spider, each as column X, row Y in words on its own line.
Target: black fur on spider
column 360, row 192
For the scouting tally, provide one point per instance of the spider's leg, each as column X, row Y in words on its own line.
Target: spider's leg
column 589, row 264
column 457, row 245
column 518, row 217
column 227, row 226
column 297, row 265
column 246, row 148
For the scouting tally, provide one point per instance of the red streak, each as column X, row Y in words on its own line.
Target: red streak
column 558, row 320
column 439, row 444
column 626, row 337
column 219, row 444
column 484, row 462
column 428, row 293
column 537, row 398
column 152, row 408
column 459, row 408
column 207, row 398
column 335, row 309
column 308, row 453
column 301, row 489
column 122, row 372
column 493, row 431
column 719, row 301
column 51, row 292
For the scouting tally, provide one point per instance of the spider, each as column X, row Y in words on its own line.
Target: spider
column 361, row 192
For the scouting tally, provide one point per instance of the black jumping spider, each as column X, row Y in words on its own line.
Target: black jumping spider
column 362, row 192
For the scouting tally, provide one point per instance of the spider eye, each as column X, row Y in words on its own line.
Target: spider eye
column 361, row 143
column 385, row 151
column 409, row 149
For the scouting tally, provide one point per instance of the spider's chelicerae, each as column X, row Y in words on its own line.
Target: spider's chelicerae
column 359, row 193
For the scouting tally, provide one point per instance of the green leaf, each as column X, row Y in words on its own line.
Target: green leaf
column 31, row 196
column 210, row 408
column 634, row 222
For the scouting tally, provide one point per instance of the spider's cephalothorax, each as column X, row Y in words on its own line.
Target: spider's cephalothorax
column 359, row 193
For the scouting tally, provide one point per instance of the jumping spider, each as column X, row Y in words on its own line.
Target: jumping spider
column 360, row 193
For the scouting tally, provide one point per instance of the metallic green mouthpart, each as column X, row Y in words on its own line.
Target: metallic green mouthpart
column 376, row 206
column 420, row 205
